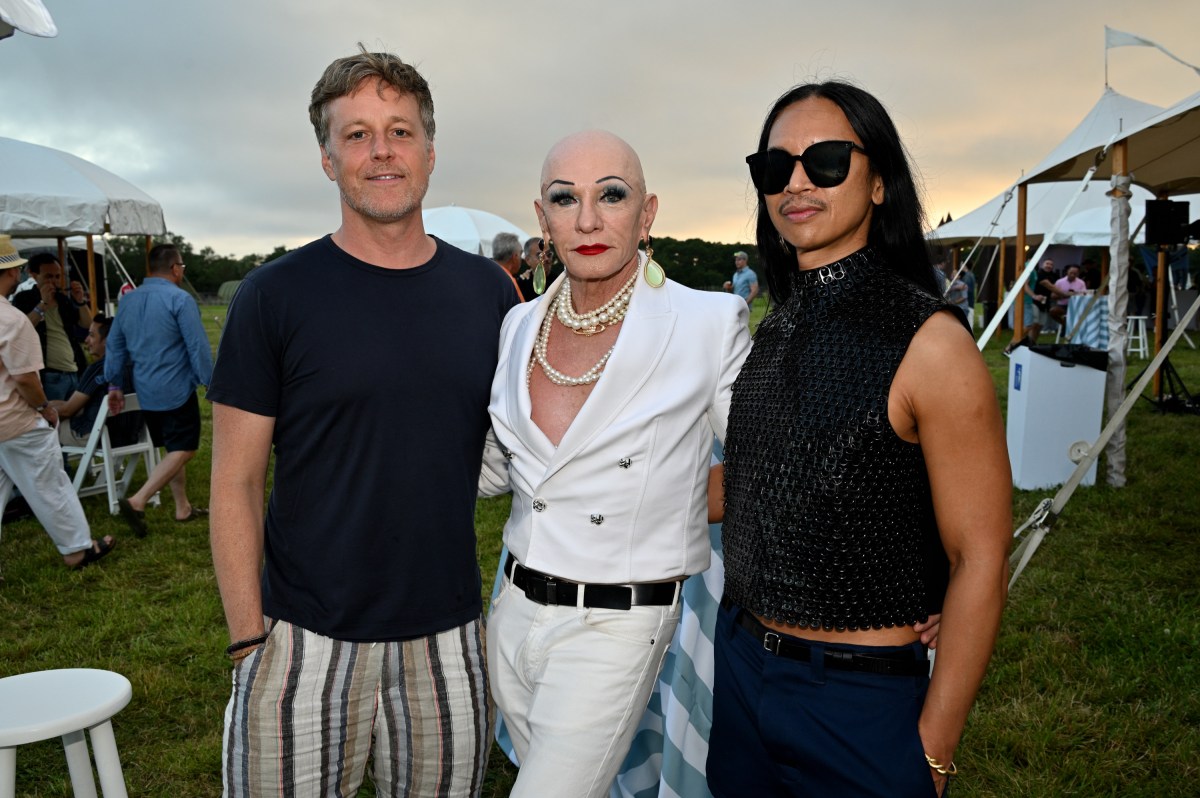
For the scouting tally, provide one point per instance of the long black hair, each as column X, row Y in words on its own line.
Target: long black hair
column 897, row 226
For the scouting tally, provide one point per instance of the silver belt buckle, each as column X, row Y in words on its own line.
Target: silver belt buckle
column 771, row 642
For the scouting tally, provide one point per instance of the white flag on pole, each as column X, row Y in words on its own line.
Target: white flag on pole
column 1119, row 38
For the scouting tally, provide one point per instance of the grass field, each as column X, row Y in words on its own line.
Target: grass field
column 1093, row 690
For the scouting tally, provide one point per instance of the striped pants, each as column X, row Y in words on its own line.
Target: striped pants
column 307, row 711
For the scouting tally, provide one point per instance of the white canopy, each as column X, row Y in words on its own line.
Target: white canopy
column 47, row 192
column 1087, row 227
column 1112, row 114
column 1164, row 152
column 467, row 228
column 29, row 16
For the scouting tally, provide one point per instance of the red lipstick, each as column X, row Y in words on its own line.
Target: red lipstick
column 592, row 249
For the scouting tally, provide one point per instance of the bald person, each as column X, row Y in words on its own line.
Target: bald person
column 608, row 392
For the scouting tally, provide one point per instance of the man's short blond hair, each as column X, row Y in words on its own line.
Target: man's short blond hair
column 344, row 75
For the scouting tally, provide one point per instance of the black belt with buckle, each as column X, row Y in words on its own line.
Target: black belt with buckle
column 887, row 663
column 545, row 589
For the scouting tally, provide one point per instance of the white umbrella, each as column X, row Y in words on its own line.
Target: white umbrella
column 48, row 192
column 29, row 16
column 467, row 228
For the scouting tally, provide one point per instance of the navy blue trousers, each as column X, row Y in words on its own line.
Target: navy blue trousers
column 786, row 728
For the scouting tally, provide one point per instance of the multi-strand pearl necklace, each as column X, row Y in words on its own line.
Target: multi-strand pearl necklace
column 594, row 321
column 613, row 311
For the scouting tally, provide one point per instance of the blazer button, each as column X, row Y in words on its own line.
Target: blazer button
column 624, row 462
column 539, row 504
column 508, row 455
column 597, row 519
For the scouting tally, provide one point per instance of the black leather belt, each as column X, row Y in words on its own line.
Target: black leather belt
column 545, row 589
column 887, row 663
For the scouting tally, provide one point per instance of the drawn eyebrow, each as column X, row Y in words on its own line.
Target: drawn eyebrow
column 564, row 182
column 614, row 177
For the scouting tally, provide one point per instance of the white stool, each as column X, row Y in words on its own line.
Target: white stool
column 1137, row 336
column 44, row 704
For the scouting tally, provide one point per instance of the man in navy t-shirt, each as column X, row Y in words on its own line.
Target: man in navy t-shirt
column 363, row 361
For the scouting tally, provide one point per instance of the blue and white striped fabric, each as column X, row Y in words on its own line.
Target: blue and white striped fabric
column 666, row 759
column 668, row 754
column 1094, row 330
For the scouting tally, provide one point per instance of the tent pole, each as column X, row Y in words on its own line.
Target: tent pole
column 62, row 253
column 1160, row 315
column 91, row 261
column 1003, row 271
column 1019, row 306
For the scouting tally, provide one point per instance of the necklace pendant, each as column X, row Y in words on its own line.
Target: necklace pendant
column 589, row 331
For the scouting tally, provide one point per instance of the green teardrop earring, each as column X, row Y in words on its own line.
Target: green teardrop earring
column 539, row 271
column 654, row 274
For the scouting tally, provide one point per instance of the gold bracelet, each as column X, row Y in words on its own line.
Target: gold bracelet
column 938, row 767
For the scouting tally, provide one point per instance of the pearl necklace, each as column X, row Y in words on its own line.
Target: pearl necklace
column 542, row 344
column 594, row 321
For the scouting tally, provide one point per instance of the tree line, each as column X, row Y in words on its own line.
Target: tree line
column 692, row 262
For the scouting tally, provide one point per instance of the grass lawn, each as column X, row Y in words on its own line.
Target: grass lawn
column 1093, row 690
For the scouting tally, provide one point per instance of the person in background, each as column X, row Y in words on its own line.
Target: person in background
column 157, row 335
column 61, row 320
column 506, row 251
column 745, row 281
column 30, row 456
column 84, row 405
column 1040, row 292
column 860, row 412
column 1065, row 287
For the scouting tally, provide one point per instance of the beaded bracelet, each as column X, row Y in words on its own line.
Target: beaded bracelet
column 938, row 767
column 249, row 642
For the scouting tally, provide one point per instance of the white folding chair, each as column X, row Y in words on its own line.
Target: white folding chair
column 111, row 468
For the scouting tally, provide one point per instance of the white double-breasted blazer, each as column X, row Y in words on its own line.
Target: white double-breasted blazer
column 623, row 497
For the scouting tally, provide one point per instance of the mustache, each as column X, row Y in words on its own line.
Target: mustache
column 800, row 204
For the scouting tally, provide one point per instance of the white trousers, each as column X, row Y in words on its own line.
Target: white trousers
column 34, row 463
column 572, row 684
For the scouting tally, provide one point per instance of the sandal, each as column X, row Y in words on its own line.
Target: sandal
column 97, row 552
column 196, row 512
column 136, row 519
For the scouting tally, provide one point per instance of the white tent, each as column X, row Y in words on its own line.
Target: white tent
column 1161, row 153
column 29, row 16
column 1164, row 152
column 1112, row 114
column 1087, row 227
column 49, row 193
column 467, row 228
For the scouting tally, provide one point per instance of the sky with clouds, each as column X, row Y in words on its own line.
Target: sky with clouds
column 203, row 105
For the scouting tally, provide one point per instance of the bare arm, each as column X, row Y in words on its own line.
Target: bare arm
column 67, row 408
column 948, row 399
column 240, row 453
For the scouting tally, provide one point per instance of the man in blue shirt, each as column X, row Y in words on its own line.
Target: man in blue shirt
column 745, row 281
column 158, row 331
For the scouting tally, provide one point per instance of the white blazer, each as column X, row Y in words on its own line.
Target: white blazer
column 623, row 498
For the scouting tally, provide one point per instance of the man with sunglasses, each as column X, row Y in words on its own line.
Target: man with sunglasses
column 861, row 409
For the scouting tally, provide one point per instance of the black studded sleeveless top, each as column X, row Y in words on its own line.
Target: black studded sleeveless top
column 828, row 514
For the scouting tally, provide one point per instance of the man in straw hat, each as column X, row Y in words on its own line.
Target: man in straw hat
column 30, row 457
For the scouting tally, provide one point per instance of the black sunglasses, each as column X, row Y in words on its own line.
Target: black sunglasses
column 826, row 163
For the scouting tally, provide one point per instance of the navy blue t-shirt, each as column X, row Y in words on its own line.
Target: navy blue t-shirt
column 378, row 381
